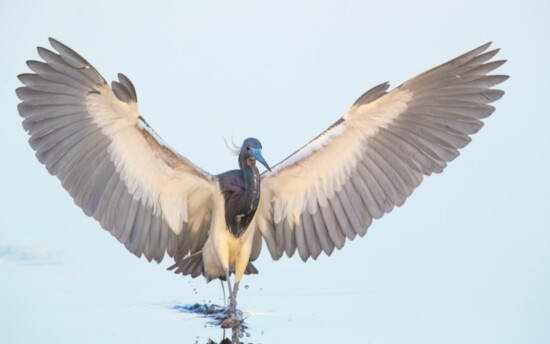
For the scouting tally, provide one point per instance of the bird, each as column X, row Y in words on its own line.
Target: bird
column 156, row 202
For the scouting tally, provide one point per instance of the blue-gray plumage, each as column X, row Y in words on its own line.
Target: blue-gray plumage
column 241, row 188
column 156, row 202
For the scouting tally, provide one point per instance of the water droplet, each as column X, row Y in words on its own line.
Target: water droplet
column 246, row 286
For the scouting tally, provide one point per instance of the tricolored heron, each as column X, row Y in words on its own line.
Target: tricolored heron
column 155, row 201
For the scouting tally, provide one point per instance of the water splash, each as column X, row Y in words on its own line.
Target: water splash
column 220, row 317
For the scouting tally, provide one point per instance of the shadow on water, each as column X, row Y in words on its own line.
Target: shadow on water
column 233, row 331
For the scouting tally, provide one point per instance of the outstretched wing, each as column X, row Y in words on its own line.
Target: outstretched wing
column 375, row 156
column 113, row 164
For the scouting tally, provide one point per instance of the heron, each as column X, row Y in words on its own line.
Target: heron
column 91, row 136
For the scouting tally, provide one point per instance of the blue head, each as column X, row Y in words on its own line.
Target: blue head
column 251, row 151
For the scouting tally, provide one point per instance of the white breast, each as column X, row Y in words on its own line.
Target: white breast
column 222, row 251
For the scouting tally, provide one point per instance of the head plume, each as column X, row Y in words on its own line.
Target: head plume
column 233, row 148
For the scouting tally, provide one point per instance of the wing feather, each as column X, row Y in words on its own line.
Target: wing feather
column 372, row 207
column 78, row 182
column 256, row 246
column 333, row 227
column 45, row 71
column 349, row 210
column 375, row 186
column 312, row 240
column 290, row 239
column 123, row 233
column 154, row 238
column 322, row 233
column 373, row 158
column 341, row 217
column 301, row 243
column 125, row 208
column 362, row 216
column 115, row 167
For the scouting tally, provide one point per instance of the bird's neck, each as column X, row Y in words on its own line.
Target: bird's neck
column 251, row 187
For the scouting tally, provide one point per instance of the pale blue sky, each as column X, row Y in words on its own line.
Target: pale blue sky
column 465, row 260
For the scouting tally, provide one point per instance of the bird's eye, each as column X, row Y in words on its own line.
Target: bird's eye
column 248, row 148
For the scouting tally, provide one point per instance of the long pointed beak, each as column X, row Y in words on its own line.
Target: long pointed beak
column 257, row 153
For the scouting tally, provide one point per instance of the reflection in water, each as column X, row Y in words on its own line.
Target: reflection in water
column 219, row 317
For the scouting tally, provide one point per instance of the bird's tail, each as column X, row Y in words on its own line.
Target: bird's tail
column 192, row 265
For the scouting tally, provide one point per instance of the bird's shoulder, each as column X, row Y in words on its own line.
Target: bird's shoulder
column 231, row 181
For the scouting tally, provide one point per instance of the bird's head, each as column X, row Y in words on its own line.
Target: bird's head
column 251, row 151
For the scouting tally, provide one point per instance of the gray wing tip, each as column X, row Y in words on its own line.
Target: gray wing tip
column 72, row 58
column 22, row 77
column 33, row 63
column 61, row 48
column 474, row 52
column 19, row 92
column 498, row 63
column 497, row 94
column 124, row 89
column 481, row 48
column 486, row 45
column 54, row 41
column 500, row 78
column 42, row 50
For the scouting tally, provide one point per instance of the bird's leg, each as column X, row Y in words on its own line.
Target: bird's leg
column 227, row 276
column 232, row 295
column 234, row 298
column 224, row 299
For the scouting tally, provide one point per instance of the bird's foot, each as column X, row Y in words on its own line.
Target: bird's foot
column 232, row 322
column 234, row 317
column 233, row 311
